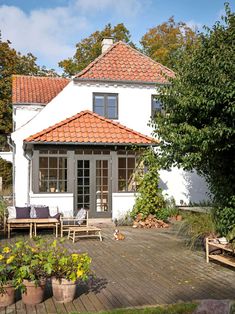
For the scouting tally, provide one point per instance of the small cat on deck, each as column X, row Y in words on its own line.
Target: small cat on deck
column 118, row 235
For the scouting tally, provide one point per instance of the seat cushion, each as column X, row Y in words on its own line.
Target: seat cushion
column 22, row 212
column 42, row 212
column 11, row 212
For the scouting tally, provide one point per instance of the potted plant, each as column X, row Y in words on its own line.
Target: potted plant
column 32, row 271
column 8, row 266
column 67, row 269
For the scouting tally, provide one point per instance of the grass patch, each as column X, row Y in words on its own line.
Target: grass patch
column 179, row 308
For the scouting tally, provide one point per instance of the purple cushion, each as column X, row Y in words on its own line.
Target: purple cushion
column 42, row 212
column 22, row 212
column 57, row 216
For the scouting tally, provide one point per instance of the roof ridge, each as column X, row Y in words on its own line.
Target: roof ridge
column 90, row 65
column 35, row 76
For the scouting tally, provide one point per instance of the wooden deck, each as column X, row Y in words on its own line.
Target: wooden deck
column 149, row 267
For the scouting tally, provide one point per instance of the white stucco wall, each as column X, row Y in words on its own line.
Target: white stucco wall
column 64, row 201
column 24, row 113
column 134, row 112
column 122, row 203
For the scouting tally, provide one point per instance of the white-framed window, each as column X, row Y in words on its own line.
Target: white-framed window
column 106, row 105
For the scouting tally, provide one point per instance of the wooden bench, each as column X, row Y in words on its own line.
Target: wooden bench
column 84, row 232
column 32, row 224
column 222, row 258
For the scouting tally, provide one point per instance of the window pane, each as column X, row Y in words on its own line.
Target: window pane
column 52, row 173
column 53, row 162
column 99, row 104
column 131, row 163
column 121, row 162
column 112, row 113
column 43, row 174
column 62, row 162
column 43, row 162
column 156, row 106
column 122, row 174
column 121, row 185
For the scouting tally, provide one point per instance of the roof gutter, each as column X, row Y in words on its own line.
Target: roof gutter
column 89, row 144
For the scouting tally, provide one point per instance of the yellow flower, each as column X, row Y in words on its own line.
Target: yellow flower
column 6, row 249
column 10, row 259
column 33, row 249
column 79, row 273
column 74, row 256
column 1, row 257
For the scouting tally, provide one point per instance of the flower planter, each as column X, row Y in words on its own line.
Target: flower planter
column 63, row 290
column 33, row 294
column 7, row 297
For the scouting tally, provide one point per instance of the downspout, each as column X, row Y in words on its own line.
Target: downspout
column 29, row 158
column 12, row 146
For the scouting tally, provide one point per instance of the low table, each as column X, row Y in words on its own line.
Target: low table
column 84, row 232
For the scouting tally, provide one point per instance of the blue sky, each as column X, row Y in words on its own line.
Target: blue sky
column 50, row 29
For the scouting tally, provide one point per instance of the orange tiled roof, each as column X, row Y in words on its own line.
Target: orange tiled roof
column 36, row 89
column 123, row 63
column 88, row 127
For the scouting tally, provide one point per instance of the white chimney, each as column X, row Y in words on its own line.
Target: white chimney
column 106, row 43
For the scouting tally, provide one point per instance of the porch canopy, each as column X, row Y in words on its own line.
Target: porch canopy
column 88, row 128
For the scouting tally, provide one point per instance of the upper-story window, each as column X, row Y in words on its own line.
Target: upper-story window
column 156, row 105
column 106, row 105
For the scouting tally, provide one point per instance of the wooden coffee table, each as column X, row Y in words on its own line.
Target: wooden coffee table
column 84, row 232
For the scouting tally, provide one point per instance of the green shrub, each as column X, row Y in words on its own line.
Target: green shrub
column 150, row 199
column 5, row 173
column 196, row 226
column 225, row 217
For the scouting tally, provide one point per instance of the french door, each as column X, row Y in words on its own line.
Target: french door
column 93, row 185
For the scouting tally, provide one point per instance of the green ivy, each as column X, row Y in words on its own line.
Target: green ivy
column 150, row 199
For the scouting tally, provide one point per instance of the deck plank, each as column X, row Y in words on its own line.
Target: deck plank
column 149, row 267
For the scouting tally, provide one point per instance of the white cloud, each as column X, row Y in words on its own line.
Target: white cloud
column 196, row 26
column 130, row 8
column 46, row 33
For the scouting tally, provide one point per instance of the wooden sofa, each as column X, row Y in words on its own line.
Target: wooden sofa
column 11, row 222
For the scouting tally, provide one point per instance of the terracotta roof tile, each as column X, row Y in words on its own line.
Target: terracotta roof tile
column 36, row 89
column 88, row 127
column 123, row 63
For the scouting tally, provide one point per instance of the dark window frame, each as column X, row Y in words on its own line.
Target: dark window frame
column 57, row 179
column 105, row 95
column 155, row 110
column 126, row 169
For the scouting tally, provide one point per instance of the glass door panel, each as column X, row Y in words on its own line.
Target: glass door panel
column 83, row 184
column 102, row 186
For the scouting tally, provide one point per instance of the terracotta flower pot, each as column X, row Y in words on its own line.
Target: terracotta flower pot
column 33, row 294
column 63, row 290
column 8, row 296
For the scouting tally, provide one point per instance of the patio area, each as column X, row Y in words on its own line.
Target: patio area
column 151, row 266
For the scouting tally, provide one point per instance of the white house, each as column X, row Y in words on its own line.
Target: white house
column 73, row 139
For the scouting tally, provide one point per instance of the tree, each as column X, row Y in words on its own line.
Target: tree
column 166, row 41
column 12, row 62
column 90, row 48
column 198, row 126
